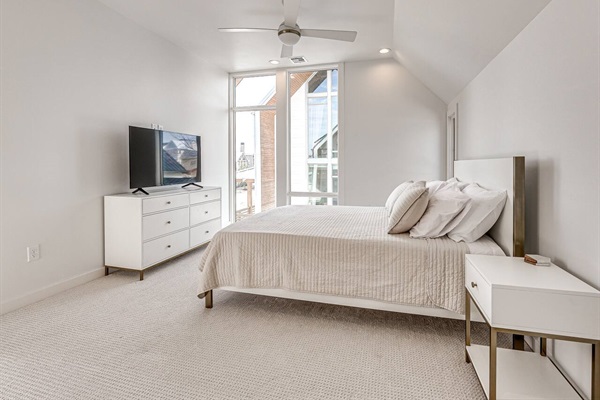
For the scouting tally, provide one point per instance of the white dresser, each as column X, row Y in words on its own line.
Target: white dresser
column 141, row 231
column 519, row 298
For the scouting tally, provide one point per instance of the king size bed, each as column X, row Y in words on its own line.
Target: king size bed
column 344, row 255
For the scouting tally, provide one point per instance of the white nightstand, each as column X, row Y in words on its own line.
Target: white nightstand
column 519, row 298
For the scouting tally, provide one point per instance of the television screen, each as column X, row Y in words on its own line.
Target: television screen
column 159, row 158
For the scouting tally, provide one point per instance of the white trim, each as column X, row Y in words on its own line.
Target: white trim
column 252, row 108
column 50, row 290
column 341, row 127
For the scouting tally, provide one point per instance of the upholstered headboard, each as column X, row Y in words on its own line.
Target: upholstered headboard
column 501, row 174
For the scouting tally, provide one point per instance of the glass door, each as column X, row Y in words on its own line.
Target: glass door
column 254, row 140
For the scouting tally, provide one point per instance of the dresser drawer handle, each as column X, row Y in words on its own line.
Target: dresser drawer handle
column 168, row 246
column 168, row 222
column 206, row 232
column 205, row 195
column 473, row 284
column 168, row 202
column 205, row 212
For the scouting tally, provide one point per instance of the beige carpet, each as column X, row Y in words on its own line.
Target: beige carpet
column 119, row 338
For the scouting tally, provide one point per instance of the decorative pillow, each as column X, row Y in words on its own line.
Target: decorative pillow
column 443, row 213
column 394, row 195
column 487, row 205
column 408, row 208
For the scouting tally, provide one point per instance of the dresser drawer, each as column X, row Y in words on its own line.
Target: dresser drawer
column 204, row 196
column 480, row 289
column 166, row 222
column 165, row 203
column 203, row 233
column 204, row 212
column 166, row 247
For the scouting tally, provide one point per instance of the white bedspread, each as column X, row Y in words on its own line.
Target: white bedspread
column 342, row 251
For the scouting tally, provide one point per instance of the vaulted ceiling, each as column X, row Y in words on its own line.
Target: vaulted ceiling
column 444, row 43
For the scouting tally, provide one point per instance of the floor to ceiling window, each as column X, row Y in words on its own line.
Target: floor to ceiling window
column 312, row 140
column 254, row 102
column 313, row 137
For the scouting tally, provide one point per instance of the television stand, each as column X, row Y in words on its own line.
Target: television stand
column 191, row 184
column 140, row 190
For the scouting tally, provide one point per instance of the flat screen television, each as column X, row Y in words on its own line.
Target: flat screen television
column 161, row 158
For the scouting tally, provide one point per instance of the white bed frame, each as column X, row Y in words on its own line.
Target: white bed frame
column 509, row 233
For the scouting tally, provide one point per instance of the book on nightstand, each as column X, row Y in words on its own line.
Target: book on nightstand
column 536, row 259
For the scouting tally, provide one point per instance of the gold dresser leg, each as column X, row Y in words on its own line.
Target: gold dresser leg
column 208, row 299
column 467, row 324
column 106, row 270
column 141, row 275
column 493, row 364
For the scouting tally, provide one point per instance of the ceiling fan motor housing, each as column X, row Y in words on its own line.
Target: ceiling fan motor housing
column 289, row 36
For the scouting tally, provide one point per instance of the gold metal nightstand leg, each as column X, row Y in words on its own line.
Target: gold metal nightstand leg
column 493, row 363
column 543, row 345
column 518, row 342
column 467, row 324
column 596, row 371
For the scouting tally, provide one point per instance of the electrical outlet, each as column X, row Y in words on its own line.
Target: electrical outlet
column 33, row 253
column 160, row 127
column 153, row 126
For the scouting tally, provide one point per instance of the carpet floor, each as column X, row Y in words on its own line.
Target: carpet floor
column 120, row 338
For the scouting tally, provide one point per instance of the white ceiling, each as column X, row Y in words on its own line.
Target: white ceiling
column 445, row 43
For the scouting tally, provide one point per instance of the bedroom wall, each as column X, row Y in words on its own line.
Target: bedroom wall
column 75, row 74
column 394, row 130
column 539, row 98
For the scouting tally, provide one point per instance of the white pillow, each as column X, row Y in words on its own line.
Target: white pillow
column 443, row 213
column 408, row 208
column 394, row 195
column 460, row 185
column 486, row 207
column 434, row 186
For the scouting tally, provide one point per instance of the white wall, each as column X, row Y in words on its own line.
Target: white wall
column 75, row 74
column 394, row 130
column 539, row 98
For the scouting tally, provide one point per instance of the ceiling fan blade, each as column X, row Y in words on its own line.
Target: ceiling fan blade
column 287, row 51
column 346, row 36
column 236, row 30
column 290, row 12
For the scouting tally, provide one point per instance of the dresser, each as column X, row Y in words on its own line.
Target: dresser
column 519, row 298
column 141, row 231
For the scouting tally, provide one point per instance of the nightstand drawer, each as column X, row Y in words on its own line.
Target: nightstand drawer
column 480, row 289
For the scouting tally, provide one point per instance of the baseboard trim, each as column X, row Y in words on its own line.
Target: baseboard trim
column 50, row 290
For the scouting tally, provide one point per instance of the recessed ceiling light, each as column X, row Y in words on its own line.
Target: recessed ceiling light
column 274, row 62
column 385, row 50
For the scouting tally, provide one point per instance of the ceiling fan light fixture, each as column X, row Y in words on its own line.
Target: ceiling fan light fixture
column 289, row 36
column 384, row 50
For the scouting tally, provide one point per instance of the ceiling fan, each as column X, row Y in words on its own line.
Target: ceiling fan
column 289, row 32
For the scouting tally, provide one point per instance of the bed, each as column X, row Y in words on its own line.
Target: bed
column 343, row 255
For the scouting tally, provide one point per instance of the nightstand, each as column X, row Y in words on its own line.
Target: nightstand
column 518, row 298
